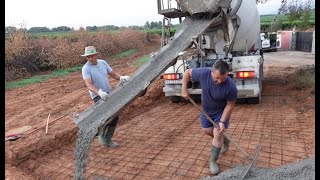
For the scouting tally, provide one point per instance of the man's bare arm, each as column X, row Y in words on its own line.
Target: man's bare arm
column 186, row 78
column 114, row 75
column 227, row 111
column 90, row 86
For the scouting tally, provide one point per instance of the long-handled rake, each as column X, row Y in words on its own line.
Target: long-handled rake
column 252, row 159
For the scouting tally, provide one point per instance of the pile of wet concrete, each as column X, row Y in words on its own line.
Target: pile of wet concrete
column 302, row 170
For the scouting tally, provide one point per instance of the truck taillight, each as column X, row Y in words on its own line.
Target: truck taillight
column 171, row 76
column 245, row 74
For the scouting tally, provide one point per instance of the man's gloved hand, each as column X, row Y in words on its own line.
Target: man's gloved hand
column 124, row 79
column 103, row 95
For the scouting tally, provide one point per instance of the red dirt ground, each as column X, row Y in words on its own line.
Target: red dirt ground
column 158, row 139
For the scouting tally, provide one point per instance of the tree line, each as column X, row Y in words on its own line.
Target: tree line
column 10, row 29
column 297, row 12
column 147, row 25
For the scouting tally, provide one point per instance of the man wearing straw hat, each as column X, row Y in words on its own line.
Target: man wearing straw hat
column 95, row 74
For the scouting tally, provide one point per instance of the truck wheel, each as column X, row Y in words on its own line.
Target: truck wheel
column 254, row 100
column 175, row 99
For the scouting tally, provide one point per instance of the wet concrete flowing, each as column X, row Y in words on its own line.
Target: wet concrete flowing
column 302, row 170
column 91, row 119
column 85, row 137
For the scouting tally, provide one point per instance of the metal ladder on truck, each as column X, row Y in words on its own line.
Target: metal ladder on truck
column 168, row 13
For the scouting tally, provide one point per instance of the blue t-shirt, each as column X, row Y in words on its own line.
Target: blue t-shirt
column 214, row 97
column 98, row 74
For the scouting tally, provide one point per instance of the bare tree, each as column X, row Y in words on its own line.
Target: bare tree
column 295, row 8
column 297, row 11
column 308, row 7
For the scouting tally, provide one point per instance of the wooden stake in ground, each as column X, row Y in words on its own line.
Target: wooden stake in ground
column 47, row 123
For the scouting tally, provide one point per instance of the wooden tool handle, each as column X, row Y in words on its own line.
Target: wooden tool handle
column 216, row 126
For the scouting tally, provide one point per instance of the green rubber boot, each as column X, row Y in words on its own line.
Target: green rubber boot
column 225, row 146
column 106, row 134
column 214, row 169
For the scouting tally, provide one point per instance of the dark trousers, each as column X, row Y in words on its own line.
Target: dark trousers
column 103, row 130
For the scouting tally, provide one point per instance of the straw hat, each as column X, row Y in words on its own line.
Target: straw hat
column 90, row 50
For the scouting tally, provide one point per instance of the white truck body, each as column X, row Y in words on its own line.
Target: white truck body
column 244, row 58
column 270, row 41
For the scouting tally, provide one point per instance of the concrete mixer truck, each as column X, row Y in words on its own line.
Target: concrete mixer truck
column 235, row 39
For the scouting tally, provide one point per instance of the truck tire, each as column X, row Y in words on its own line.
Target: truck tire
column 175, row 99
column 254, row 100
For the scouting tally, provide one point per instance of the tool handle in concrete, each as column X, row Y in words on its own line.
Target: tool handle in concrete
column 216, row 126
column 252, row 163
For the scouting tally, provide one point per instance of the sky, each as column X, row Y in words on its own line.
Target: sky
column 82, row 13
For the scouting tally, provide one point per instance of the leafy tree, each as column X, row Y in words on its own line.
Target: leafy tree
column 38, row 29
column 159, row 24
column 308, row 7
column 147, row 25
column 297, row 11
column 294, row 9
column 153, row 25
column 136, row 27
column 10, row 29
column 61, row 28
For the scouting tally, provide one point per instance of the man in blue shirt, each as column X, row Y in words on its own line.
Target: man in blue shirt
column 218, row 97
column 95, row 74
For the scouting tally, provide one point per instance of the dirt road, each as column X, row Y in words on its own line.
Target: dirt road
column 285, row 58
column 158, row 139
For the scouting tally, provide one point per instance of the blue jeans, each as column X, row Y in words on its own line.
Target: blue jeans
column 216, row 118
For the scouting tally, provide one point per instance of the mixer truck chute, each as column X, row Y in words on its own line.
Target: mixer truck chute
column 236, row 40
column 211, row 30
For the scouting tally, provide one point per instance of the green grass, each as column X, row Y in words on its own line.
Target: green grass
column 41, row 78
column 64, row 72
column 126, row 53
column 61, row 72
column 142, row 60
column 70, row 33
